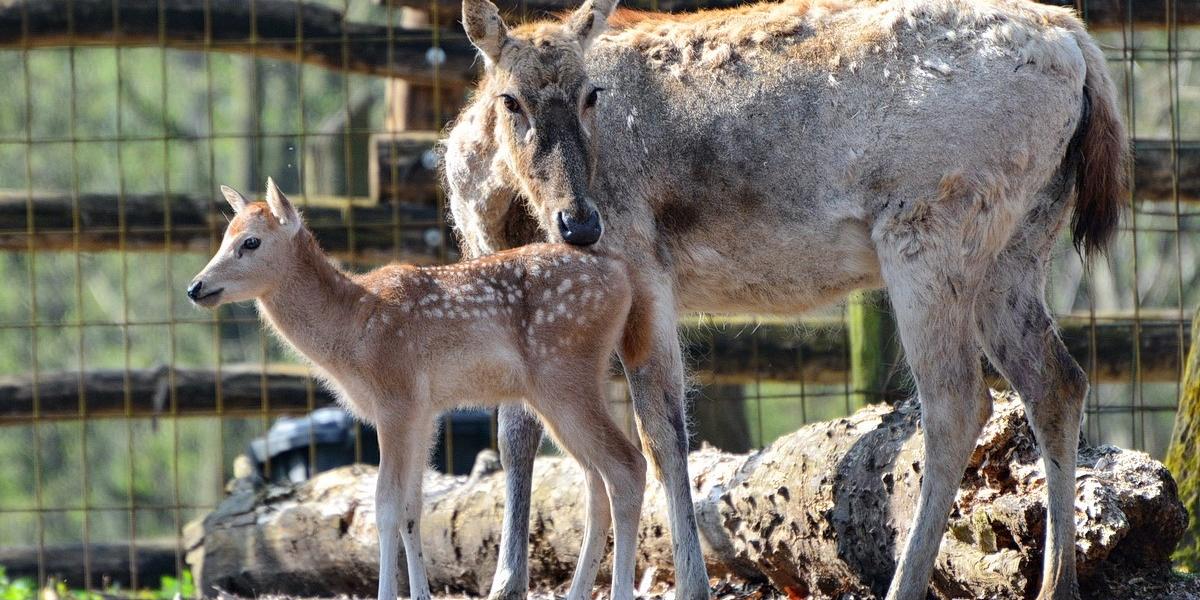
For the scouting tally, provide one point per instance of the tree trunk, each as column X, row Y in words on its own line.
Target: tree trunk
column 818, row 513
column 1183, row 456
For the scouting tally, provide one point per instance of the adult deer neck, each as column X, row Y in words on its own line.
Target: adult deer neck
column 313, row 308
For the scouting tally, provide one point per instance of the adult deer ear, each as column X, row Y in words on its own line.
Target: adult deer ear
column 282, row 208
column 590, row 20
column 485, row 28
column 234, row 198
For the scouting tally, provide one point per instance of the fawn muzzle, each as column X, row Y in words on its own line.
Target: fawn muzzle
column 198, row 294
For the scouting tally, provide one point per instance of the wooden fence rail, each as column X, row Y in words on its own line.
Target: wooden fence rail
column 315, row 34
column 153, row 222
column 722, row 354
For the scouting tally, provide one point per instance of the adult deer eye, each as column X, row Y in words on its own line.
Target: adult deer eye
column 511, row 104
column 592, row 97
column 251, row 243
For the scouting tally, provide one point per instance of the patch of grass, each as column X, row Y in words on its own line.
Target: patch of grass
column 25, row 588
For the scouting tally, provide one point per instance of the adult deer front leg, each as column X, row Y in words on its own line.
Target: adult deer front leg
column 403, row 449
column 658, row 401
column 520, row 435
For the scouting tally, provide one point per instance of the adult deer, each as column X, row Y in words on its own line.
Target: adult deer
column 400, row 344
column 773, row 157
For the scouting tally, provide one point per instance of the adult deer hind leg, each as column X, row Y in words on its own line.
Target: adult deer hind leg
column 932, row 294
column 1021, row 340
column 658, row 400
column 520, row 434
column 615, row 473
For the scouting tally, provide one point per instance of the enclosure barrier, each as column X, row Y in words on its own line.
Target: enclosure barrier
column 92, row 385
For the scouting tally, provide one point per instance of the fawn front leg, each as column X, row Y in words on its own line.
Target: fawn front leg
column 402, row 451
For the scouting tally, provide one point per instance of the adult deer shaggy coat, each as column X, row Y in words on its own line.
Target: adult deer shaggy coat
column 773, row 157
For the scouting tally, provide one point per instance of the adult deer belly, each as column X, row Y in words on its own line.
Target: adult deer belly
column 766, row 267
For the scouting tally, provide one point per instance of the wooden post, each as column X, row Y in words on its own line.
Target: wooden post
column 875, row 363
column 1183, row 455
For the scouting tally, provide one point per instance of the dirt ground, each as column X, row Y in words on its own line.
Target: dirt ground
column 1177, row 587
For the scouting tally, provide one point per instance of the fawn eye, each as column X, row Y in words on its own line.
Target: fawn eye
column 251, row 243
column 511, row 104
column 592, row 97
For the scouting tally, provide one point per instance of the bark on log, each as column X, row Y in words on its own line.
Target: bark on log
column 281, row 29
column 818, row 513
column 154, row 222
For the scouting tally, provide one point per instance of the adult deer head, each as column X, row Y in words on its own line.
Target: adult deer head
column 540, row 105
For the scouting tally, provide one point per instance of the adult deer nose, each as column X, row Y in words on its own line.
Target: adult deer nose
column 193, row 289
column 580, row 233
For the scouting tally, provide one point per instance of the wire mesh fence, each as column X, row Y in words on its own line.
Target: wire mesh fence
column 123, row 408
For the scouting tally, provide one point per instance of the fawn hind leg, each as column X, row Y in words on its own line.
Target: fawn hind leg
column 403, row 452
column 595, row 535
column 1020, row 339
column 614, row 470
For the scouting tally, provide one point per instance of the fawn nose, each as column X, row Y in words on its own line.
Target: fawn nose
column 193, row 289
column 580, row 232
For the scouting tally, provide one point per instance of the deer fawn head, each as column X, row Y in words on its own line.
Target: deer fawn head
column 255, row 254
column 542, row 106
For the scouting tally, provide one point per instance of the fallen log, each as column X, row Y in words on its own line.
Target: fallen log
column 819, row 513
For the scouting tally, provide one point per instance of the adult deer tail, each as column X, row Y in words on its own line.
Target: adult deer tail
column 1102, row 176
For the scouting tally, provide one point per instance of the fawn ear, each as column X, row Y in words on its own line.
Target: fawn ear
column 590, row 20
column 282, row 208
column 485, row 28
column 234, row 198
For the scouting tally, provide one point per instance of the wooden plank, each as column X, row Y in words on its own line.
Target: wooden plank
column 109, row 563
column 156, row 392
column 403, row 168
column 1154, row 169
column 152, row 222
column 315, row 34
column 725, row 354
column 1099, row 14
column 818, row 353
column 280, row 29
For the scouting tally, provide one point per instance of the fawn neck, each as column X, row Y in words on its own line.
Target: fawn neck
column 313, row 309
